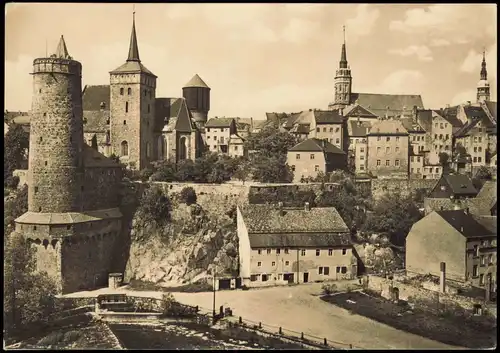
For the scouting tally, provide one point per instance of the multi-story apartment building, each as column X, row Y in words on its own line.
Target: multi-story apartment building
column 329, row 126
column 361, row 157
column 236, row 146
column 388, row 149
column 417, row 147
column 464, row 242
column 312, row 156
column 218, row 132
column 293, row 245
column 453, row 186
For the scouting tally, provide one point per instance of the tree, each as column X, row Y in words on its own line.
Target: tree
column 272, row 170
column 16, row 142
column 165, row 171
column 14, row 208
column 393, row 215
column 482, row 175
column 188, row 195
column 146, row 173
column 270, row 142
column 444, row 161
column 155, row 206
column 185, row 171
column 243, row 171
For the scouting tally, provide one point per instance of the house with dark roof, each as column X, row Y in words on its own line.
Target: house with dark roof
column 485, row 203
column 279, row 245
column 221, row 136
column 312, row 156
column 453, row 186
column 466, row 243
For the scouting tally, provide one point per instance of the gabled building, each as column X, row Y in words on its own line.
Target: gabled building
column 485, row 203
column 417, row 147
column 218, row 132
column 357, row 112
column 464, row 242
column 453, row 186
column 312, row 156
column 280, row 245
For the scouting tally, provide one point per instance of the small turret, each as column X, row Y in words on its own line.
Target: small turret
column 197, row 95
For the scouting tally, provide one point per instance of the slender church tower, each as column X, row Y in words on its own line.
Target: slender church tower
column 132, row 109
column 343, row 82
column 483, row 86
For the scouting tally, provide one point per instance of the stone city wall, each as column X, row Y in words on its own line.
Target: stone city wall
column 444, row 204
column 404, row 186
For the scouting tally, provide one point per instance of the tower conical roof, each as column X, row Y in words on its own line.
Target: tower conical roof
column 196, row 81
column 343, row 54
column 62, row 50
column 133, row 51
column 484, row 73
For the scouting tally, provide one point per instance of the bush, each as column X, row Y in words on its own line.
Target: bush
column 146, row 173
column 11, row 182
column 155, row 206
column 329, row 289
column 52, row 339
column 188, row 196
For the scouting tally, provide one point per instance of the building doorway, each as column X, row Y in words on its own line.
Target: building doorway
column 288, row 277
column 306, row 277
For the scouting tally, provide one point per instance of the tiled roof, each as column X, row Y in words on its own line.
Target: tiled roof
column 95, row 121
column 424, row 118
column 465, row 130
column 301, row 129
column 95, row 159
column 260, row 124
column 358, row 129
column 9, row 116
column 393, row 104
column 184, row 119
column 305, row 117
column 473, row 112
column 485, row 199
column 235, row 138
column 328, row 117
column 465, row 223
column 302, row 240
column 488, row 222
column 68, row 218
column 170, row 109
column 93, row 96
column 388, row 127
column 22, row 119
column 356, row 110
column 492, row 109
column 450, row 115
column 266, row 219
column 316, row 145
column 411, row 126
column 460, row 184
column 196, row 81
column 219, row 122
column 132, row 67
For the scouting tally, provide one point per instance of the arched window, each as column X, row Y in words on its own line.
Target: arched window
column 126, row 107
column 182, row 148
column 129, row 91
column 148, row 150
column 124, row 148
column 149, row 108
column 108, row 136
column 93, row 142
column 121, row 91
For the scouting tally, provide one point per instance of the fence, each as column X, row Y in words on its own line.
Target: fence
column 299, row 337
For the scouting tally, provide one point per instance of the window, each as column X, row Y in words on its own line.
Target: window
column 397, row 138
column 446, row 148
column 361, row 167
column 259, row 252
column 317, row 129
column 447, row 137
column 337, row 129
column 311, row 156
column 437, row 170
column 293, row 168
column 36, row 189
column 253, row 278
column 208, row 129
column 126, row 107
column 235, row 148
column 316, row 168
column 149, row 108
column 387, row 149
column 297, row 156
column 330, row 252
column 286, row 251
column 344, row 251
column 379, row 149
column 287, row 263
column 474, row 271
column 397, row 149
column 331, row 129
column 418, row 159
column 278, row 251
column 475, row 159
column 46, row 162
column 490, row 259
column 215, row 147
column 129, row 91
column 273, row 263
column 396, row 162
column 337, row 140
column 303, row 252
column 148, row 150
column 259, row 263
column 326, row 271
column 479, row 139
column 475, row 149
column 338, row 269
column 387, row 138
column 479, row 159
column 362, row 150
column 121, row 91
column 482, row 260
column 268, row 251
column 264, row 278
column 387, row 163
column 124, row 122
column 324, row 129
column 145, row 92
column 320, row 270
column 222, row 130
column 124, row 148
column 412, row 170
column 481, row 280
column 318, row 252
column 441, row 126
column 418, row 170
column 343, row 269
column 378, row 162
column 361, row 158
column 378, row 138
column 480, row 149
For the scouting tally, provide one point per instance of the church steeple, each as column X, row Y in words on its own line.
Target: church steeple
column 484, row 73
column 343, row 55
column 62, row 50
column 133, row 51
column 343, row 81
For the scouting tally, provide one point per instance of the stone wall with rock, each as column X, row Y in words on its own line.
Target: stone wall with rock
column 444, row 204
column 404, row 186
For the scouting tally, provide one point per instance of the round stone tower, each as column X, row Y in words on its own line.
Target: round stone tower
column 55, row 175
column 197, row 96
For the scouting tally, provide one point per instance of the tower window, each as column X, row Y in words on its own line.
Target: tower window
column 150, row 95
column 149, row 108
column 121, row 91
column 145, row 92
column 39, row 210
column 44, row 115
column 41, row 138
column 126, row 107
column 68, row 227
column 124, row 122
column 46, row 163
column 82, row 188
column 124, row 148
column 129, row 91
column 40, row 90
column 36, row 189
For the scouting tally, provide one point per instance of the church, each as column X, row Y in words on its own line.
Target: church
column 127, row 119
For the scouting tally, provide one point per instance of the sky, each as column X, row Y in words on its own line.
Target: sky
column 260, row 58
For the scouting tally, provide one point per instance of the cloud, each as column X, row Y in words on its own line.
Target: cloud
column 422, row 52
column 451, row 21
column 299, row 30
column 440, row 43
column 18, row 78
column 462, row 97
column 399, row 82
column 473, row 61
column 365, row 20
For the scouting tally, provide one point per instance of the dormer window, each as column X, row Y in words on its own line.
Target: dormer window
column 103, row 105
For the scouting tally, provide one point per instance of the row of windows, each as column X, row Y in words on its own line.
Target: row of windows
column 234, row 148
column 215, row 138
column 215, row 130
column 418, row 138
column 388, row 163
column 126, row 108
column 124, row 149
column 129, row 92
column 441, row 125
column 477, row 139
column 324, row 129
column 322, row 270
column 388, row 138
column 425, row 170
column 302, row 251
column 478, row 149
column 417, row 158
column 440, row 136
column 440, row 147
column 477, row 159
column 387, row 149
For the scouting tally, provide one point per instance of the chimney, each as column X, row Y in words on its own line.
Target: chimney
column 341, row 112
column 307, row 207
column 461, row 229
column 467, row 103
column 442, row 278
column 447, row 105
column 280, row 208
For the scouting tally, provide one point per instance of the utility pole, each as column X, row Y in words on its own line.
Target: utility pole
column 298, row 266
column 213, row 308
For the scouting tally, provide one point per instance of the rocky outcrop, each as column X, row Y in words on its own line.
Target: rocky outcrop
column 186, row 250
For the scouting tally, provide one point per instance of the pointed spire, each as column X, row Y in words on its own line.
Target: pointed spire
column 343, row 55
column 484, row 73
column 62, row 50
column 133, row 51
